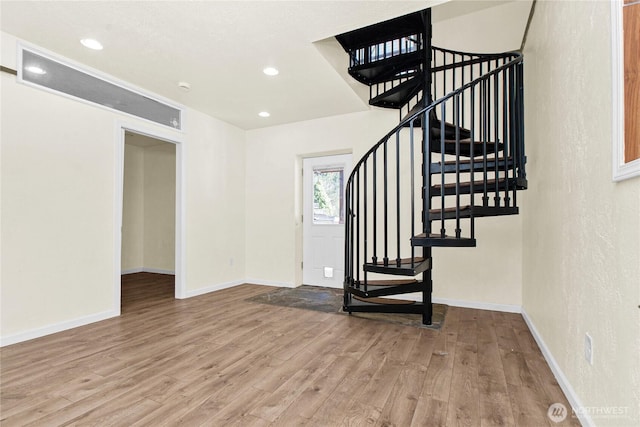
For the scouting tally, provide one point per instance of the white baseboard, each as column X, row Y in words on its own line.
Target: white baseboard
column 132, row 271
column 57, row 327
column 507, row 308
column 212, row 288
column 564, row 383
column 270, row 283
column 147, row 270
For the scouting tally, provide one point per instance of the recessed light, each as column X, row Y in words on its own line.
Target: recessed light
column 91, row 44
column 270, row 71
column 264, row 114
column 35, row 69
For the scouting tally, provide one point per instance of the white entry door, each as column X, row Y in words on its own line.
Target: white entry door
column 324, row 180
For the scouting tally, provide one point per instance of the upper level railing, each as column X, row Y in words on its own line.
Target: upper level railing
column 444, row 164
column 385, row 50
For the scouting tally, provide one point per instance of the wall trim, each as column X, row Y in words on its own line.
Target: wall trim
column 57, row 327
column 563, row 381
column 212, row 288
column 148, row 270
column 180, row 245
column 506, row 308
column 479, row 305
column 270, row 283
column 621, row 170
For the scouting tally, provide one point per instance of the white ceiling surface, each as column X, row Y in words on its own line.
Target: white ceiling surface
column 221, row 47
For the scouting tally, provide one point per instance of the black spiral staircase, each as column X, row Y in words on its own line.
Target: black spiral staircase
column 457, row 155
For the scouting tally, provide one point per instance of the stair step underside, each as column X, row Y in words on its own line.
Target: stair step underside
column 399, row 95
column 406, row 266
column 466, row 211
column 478, row 186
column 478, row 165
column 449, row 128
column 465, row 147
column 390, row 301
column 357, row 306
column 378, row 288
column 436, row 240
column 387, row 69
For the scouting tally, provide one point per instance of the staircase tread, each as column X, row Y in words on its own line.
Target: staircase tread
column 393, row 262
column 478, row 211
column 407, row 267
column 389, row 282
column 451, row 209
column 476, row 160
column 468, row 183
column 389, row 301
column 466, row 141
column 398, row 95
column 387, row 69
column 438, row 236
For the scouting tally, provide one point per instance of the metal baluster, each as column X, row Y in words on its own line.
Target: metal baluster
column 398, row 258
column 358, row 226
column 506, row 139
column 496, row 197
column 443, row 144
column 435, row 81
column 456, row 120
column 484, row 102
column 463, row 92
column 348, row 271
column 413, row 204
column 364, row 221
column 472, row 155
column 385, row 259
column 375, row 207
column 444, row 74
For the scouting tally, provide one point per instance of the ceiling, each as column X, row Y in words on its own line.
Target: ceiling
column 221, row 47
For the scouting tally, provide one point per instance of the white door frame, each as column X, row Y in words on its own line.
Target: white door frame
column 308, row 216
column 173, row 138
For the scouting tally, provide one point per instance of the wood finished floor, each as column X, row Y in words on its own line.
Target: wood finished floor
column 216, row 360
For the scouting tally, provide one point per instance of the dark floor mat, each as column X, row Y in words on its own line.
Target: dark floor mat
column 329, row 300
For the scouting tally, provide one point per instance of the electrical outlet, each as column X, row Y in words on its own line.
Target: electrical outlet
column 588, row 348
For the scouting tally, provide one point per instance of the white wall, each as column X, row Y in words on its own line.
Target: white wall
column 215, row 198
column 159, row 207
column 274, row 197
column 478, row 19
column 581, row 260
column 490, row 273
column 149, row 206
column 58, row 225
column 133, row 209
column 59, row 209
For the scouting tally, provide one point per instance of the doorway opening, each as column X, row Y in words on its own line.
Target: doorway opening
column 149, row 237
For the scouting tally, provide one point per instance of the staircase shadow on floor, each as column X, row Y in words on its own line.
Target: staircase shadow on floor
column 329, row 300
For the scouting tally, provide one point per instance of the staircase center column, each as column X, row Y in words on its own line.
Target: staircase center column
column 427, row 99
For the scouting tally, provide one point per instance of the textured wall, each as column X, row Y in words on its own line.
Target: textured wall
column 581, row 254
column 133, row 209
column 160, row 207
